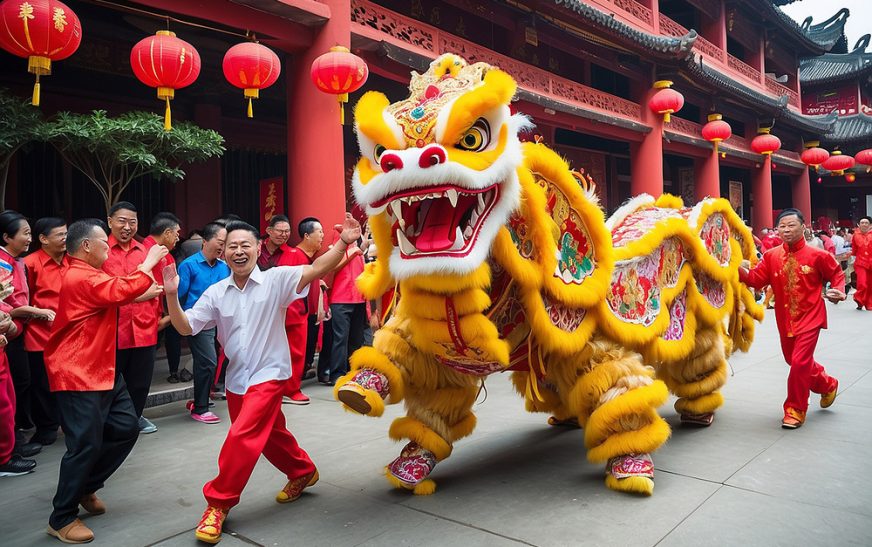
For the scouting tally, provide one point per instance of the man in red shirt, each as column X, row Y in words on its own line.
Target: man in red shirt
column 275, row 244
column 45, row 269
column 297, row 318
column 797, row 273
column 347, row 311
column 96, row 412
column 861, row 249
column 164, row 230
column 137, row 321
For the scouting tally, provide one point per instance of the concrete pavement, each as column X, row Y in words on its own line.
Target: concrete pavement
column 743, row 481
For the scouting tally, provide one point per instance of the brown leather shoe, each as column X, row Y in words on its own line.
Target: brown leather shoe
column 74, row 532
column 92, row 504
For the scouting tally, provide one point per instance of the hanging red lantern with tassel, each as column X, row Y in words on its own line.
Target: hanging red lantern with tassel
column 716, row 130
column 813, row 155
column 765, row 143
column 667, row 101
column 864, row 157
column 339, row 72
column 251, row 67
column 42, row 31
column 167, row 63
column 838, row 163
column 850, row 177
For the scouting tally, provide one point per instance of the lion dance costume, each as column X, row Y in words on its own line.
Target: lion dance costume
column 501, row 260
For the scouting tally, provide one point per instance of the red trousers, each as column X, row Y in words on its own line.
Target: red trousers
column 806, row 374
column 863, row 295
column 298, row 335
column 257, row 427
column 7, row 411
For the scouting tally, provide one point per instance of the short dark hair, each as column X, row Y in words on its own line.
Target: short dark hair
column 278, row 218
column 866, row 218
column 81, row 230
column 10, row 223
column 211, row 230
column 237, row 225
column 307, row 226
column 227, row 219
column 789, row 212
column 162, row 222
column 45, row 225
column 122, row 205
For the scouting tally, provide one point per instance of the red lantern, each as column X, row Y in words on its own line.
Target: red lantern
column 813, row 156
column 716, row 130
column 41, row 30
column 764, row 143
column 864, row 157
column 167, row 63
column 850, row 177
column 667, row 101
column 339, row 72
column 838, row 163
column 251, row 67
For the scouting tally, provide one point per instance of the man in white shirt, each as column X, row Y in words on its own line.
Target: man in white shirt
column 248, row 308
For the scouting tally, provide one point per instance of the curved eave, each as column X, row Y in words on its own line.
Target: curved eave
column 833, row 68
column 818, row 39
column 852, row 130
column 660, row 46
column 697, row 71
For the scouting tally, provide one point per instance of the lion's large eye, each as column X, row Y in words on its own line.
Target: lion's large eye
column 377, row 152
column 476, row 138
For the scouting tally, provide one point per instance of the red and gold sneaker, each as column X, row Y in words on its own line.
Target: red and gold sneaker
column 828, row 398
column 209, row 529
column 294, row 488
column 792, row 419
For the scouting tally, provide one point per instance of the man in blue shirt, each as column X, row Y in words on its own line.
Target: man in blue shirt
column 196, row 274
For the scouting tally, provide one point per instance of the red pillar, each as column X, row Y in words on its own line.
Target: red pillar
column 646, row 157
column 198, row 198
column 801, row 190
column 316, row 158
column 761, row 186
column 707, row 177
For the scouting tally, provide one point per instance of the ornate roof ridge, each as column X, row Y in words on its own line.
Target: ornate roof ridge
column 674, row 47
column 776, row 108
column 852, row 129
column 819, row 38
column 834, row 67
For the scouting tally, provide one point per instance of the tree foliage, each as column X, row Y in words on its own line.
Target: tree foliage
column 113, row 151
column 20, row 124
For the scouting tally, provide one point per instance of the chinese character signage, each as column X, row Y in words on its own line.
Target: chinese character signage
column 272, row 200
column 844, row 99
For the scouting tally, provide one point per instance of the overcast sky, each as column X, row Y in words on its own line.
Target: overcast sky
column 859, row 22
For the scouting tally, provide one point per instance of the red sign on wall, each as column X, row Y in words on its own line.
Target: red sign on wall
column 843, row 99
column 272, row 200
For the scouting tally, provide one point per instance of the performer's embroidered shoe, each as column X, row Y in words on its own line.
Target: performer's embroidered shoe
column 92, row 504
column 353, row 392
column 704, row 420
column 827, row 399
column 209, row 529
column 569, row 422
column 631, row 465
column 294, row 489
column 792, row 419
column 414, row 464
column 74, row 532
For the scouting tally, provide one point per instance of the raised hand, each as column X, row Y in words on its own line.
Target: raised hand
column 350, row 230
column 154, row 256
column 171, row 280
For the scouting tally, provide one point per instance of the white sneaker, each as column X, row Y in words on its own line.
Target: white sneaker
column 145, row 425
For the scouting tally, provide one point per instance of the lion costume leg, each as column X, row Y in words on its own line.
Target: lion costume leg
column 697, row 380
column 616, row 398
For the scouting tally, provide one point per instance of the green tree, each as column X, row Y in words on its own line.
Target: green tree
column 113, row 151
column 19, row 125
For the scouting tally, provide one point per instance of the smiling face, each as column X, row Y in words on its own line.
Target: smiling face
column 439, row 168
column 240, row 252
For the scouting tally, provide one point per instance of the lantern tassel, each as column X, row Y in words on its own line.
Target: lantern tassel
column 667, row 117
column 250, row 110
column 168, row 119
column 35, row 100
column 342, row 98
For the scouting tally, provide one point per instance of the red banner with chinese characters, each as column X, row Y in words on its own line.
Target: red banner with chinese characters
column 843, row 99
column 272, row 200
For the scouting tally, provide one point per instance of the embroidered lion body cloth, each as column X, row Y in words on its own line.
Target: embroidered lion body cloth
column 499, row 259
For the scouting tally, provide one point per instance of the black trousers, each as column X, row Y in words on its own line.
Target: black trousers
column 43, row 408
column 324, row 357
column 172, row 341
column 311, row 340
column 100, row 429
column 136, row 365
column 349, row 322
column 205, row 360
column 19, row 369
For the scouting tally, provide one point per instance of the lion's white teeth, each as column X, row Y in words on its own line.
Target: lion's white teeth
column 480, row 202
column 452, row 196
column 459, row 241
column 397, row 209
column 473, row 218
column 402, row 223
column 405, row 246
column 468, row 232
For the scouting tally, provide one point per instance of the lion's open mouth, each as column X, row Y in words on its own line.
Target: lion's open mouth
column 442, row 221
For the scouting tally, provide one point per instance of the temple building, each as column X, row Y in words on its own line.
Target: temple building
column 587, row 72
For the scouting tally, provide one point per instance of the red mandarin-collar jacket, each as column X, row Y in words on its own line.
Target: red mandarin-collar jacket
column 44, row 277
column 861, row 248
column 137, row 321
column 797, row 275
column 80, row 352
column 157, row 273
